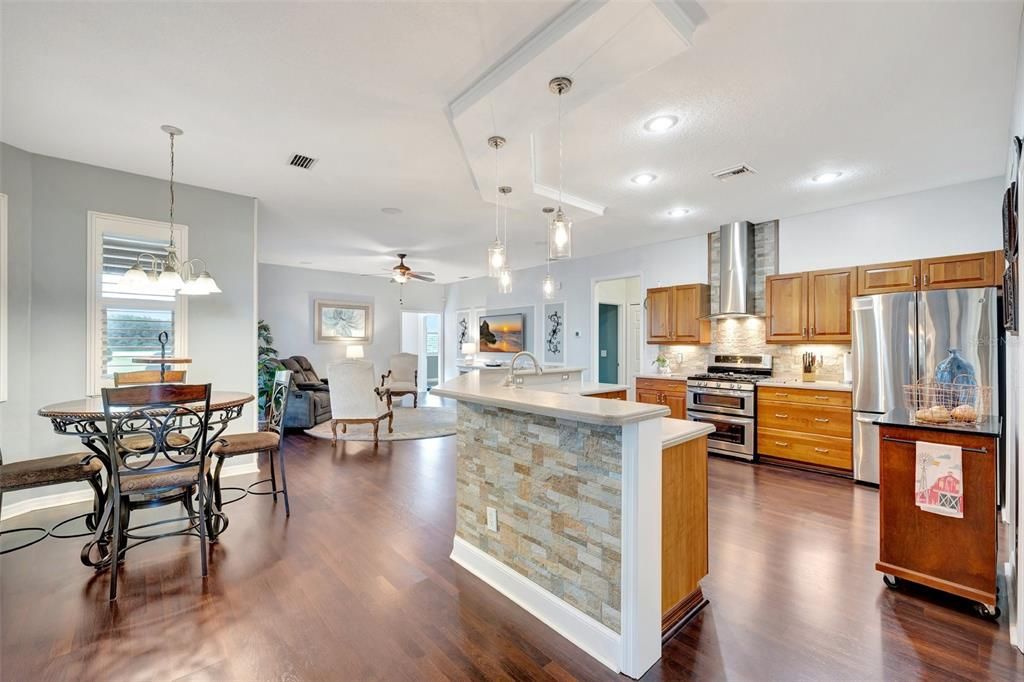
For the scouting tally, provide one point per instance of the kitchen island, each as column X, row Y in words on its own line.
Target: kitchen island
column 570, row 506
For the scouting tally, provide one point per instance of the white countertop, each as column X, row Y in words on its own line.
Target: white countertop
column 548, row 369
column 550, row 400
column 590, row 388
column 797, row 383
column 676, row 431
column 667, row 377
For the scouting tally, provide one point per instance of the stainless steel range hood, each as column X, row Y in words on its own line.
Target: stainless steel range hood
column 736, row 271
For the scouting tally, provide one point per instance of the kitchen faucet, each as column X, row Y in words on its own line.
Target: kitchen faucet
column 510, row 378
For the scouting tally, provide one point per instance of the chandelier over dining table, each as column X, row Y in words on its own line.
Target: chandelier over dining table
column 168, row 274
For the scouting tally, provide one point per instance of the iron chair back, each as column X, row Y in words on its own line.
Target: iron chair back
column 277, row 402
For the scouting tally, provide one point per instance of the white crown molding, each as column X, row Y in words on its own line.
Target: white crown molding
column 552, row 192
column 683, row 15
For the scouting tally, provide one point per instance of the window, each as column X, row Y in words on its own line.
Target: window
column 126, row 324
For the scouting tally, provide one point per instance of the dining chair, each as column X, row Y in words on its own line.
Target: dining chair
column 355, row 399
column 148, row 376
column 44, row 471
column 270, row 441
column 152, row 467
column 403, row 376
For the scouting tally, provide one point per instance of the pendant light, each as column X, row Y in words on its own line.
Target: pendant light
column 505, row 275
column 560, row 229
column 496, row 252
column 548, row 285
column 169, row 275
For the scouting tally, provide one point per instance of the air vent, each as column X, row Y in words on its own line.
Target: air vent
column 300, row 161
column 733, row 172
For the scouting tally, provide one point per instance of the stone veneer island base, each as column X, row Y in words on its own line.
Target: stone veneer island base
column 601, row 532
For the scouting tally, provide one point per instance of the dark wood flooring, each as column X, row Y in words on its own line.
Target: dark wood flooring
column 357, row 585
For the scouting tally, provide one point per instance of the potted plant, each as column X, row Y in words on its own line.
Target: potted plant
column 266, row 365
column 661, row 362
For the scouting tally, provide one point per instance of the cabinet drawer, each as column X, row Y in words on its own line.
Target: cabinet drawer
column 808, row 419
column 662, row 385
column 805, row 396
column 821, row 450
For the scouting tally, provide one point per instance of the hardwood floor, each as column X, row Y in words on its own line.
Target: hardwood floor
column 358, row 585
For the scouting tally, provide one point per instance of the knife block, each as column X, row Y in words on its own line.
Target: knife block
column 808, row 376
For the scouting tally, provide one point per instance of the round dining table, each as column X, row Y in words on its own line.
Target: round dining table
column 85, row 419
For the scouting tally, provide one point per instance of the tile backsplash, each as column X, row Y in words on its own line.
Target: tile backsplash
column 746, row 336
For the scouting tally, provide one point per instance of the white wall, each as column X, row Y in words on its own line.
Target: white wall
column 50, row 199
column 287, row 299
column 961, row 218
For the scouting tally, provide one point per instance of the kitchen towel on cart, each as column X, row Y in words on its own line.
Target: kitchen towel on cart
column 940, row 479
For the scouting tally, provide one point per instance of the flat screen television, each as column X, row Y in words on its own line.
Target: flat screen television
column 502, row 333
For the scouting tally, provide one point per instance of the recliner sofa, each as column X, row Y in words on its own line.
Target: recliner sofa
column 310, row 400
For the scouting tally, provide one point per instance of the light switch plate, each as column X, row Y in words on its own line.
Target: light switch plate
column 492, row 519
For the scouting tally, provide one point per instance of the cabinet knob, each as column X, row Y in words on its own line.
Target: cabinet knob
column 926, row 280
column 812, row 331
column 805, row 331
column 823, row 420
column 915, row 281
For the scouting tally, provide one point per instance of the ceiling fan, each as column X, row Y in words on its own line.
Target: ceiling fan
column 402, row 273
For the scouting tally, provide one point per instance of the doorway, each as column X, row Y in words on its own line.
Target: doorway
column 618, row 334
column 421, row 336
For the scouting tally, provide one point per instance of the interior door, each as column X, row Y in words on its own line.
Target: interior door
column 608, row 343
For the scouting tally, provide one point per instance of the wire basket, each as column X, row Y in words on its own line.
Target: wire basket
column 957, row 403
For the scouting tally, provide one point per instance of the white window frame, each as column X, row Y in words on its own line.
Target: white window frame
column 99, row 224
column 3, row 298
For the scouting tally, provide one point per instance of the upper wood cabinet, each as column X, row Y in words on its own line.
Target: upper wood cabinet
column 809, row 306
column 949, row 272
column 888, row 278
column 828, row 304
column 786, row 303
column 959, row 272
column 674, row 314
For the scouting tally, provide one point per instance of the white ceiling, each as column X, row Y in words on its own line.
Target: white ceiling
column 900, row 96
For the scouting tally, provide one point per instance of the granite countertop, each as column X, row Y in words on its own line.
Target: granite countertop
column 667, row 377
column 902, row 417
column 798, row 383
column 676, row 431
column 555, row 401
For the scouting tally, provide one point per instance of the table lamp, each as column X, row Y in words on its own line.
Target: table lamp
column 354, row 352
column 468, row 349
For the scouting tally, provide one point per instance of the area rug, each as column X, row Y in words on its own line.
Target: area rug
column 410, row 424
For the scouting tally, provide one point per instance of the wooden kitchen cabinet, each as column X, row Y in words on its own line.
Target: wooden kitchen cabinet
column 888, row 278
column 610, row 395
column 786, row 303
column 960, row 272
column 668, row 392
column 674, row 314
column 806, row 426
column 684, row 530
column 829, row 293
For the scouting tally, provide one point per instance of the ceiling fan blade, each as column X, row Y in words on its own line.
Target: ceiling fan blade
column 425, row 273
column 422, row 278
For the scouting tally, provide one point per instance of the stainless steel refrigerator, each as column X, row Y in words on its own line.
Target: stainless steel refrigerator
column 901, row 338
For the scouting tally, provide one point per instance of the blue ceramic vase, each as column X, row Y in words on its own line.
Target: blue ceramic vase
column 955, row 370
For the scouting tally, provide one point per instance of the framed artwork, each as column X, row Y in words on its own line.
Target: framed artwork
column 337, row 321
column 554, row 333
column 463, row 329
column 502, row 333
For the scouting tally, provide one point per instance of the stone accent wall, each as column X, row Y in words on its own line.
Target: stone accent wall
column 746, row 336
column 557, row 487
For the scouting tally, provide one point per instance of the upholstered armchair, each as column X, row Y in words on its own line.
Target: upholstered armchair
column 403, row 376
column 310, row 402
column 356, row 399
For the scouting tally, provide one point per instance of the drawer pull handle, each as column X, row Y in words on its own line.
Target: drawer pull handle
column 781, row 395
column 782, row 416
column 821, row 397
column 822, row 450
column 782, row 443
column 823, row 420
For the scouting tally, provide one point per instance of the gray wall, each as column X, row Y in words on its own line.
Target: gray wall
column 287, row 298
column 49, row 201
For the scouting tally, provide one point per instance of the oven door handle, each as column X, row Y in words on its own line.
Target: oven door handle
column 721, row 418
column 720, row 391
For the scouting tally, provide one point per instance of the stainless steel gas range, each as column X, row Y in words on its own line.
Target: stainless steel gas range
column 725, row 397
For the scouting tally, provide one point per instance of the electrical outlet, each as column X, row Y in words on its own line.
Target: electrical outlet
column 565, row 377
column 492, row 519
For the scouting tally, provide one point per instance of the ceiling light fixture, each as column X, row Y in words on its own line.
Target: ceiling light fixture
column 505, row 276
column 391, row 210
column 678, row 212
column 824, row 178
column 560, row 228
column 660, row 124
column 169, row 275
column 548, row 284
column 644, row 178
column 496, row 252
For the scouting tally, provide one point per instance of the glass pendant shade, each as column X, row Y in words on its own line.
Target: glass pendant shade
column 505, row 281
column 209, row 283
column 548, row 286
column 193, row 287
column 560, row 237
column 134, row 278
column 495, row 259
column 171, row 280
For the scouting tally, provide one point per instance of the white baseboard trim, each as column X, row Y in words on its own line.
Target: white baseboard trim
column 85, row 495
column 593, row 637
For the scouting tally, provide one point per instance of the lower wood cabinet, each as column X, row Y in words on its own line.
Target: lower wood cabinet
column 611, row 395
column 668, row 392
column 809, row 426
column 684, row 529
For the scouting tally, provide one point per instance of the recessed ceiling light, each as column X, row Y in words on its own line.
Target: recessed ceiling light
column 660, row 124
column 390, row 210
column 678, row 212
column 644, row 178
column 830, row 176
